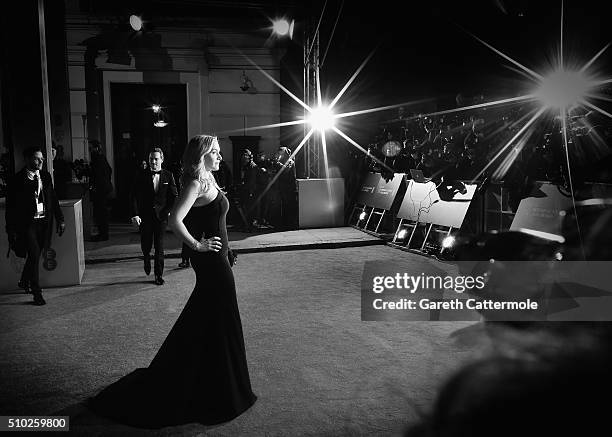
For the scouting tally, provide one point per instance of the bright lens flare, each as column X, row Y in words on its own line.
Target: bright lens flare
column 564, row 89
column 280, row 27
column 136, row 22
column 322, row 118
column 448, row 242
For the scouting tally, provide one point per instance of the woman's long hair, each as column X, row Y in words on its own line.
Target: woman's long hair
column 193, row 165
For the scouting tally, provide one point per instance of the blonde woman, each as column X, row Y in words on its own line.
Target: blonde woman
column 200, row 373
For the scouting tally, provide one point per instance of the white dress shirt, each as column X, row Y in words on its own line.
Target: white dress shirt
column 35, row 176
column 156, row 181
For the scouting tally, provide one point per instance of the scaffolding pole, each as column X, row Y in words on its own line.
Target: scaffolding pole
column 312, row 148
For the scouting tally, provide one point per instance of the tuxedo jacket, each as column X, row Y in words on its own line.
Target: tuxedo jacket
column 146, row 203
column 21, row 204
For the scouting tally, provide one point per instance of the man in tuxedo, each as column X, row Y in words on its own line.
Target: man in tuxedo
column 31, row 205
column 153, row 195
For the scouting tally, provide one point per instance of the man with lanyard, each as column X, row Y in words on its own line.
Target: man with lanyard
column 31, row 205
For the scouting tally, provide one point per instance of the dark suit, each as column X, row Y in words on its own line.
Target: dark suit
column 100, row 188
column 286, row 191
column 30, row 234
column 153, row 208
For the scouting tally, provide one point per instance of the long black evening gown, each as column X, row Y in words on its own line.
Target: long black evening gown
column 200, row 373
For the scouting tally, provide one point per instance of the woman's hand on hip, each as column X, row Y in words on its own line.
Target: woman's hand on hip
column 212, row 244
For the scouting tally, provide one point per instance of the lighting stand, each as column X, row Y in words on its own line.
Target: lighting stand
column 359, row 207
column 380, row 212
column 398, row 242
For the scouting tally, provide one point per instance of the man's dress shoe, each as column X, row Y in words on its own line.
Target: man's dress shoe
column 38, row 299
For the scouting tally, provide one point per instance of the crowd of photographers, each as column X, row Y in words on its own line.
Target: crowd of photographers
column 458, row 145
column 264, row 193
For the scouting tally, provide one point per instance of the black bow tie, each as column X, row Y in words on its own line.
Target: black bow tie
column 155, row 172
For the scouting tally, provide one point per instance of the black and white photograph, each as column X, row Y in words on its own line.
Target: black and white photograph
column 305, row 218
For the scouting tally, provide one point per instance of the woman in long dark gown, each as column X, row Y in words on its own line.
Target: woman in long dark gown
column 200, row 373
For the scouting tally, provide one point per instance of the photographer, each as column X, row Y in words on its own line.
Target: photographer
column 286, row 185
column 263, row 191
column 248, row 186
column 223, row 176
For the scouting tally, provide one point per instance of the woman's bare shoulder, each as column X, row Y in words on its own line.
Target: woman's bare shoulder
column 193, row 184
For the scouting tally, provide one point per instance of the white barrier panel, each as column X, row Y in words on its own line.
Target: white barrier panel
column 321, row 203
column 68, row 265
column 422, row 203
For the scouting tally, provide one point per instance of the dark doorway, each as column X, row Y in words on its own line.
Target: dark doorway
column 135, row 133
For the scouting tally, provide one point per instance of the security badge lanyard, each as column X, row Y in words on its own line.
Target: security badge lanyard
column 38, row 195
